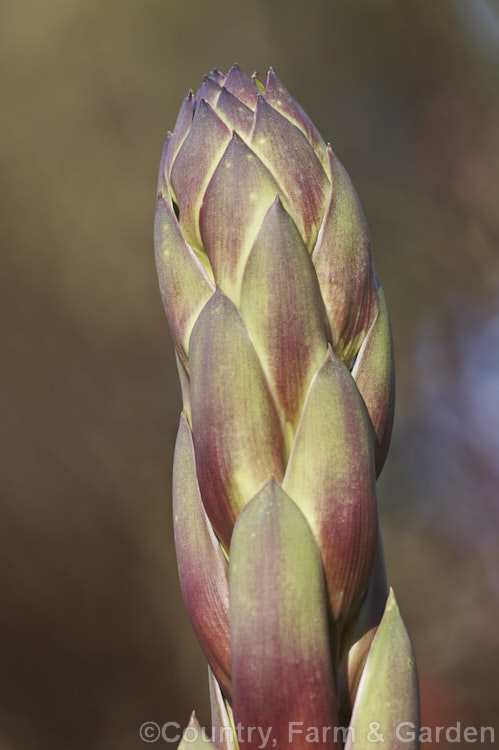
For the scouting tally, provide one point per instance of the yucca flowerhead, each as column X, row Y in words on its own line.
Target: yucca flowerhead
column 285, row 358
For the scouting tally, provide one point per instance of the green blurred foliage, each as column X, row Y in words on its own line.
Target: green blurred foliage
column 94, row 638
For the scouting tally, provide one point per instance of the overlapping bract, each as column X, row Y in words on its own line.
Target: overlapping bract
column 285, row 358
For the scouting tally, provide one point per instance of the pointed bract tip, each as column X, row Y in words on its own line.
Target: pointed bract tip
column 391, row 601
column 260, row 104
column 272, row 483
column 203, row 106
column 217, row 300
column 276, row 203
column 236, row 138
column 271, row 76
column 330, row 358
column 218, row 296
column 331, row 158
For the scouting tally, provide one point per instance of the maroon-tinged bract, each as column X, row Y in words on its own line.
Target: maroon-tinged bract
column 203, row 569
column 184, row 284
column 209, row 91
column 330, row 475
column 241, row 86
column 237, row 435
column 233, row 111
column 281, row 662
column 279, row 143
column 343, row 263
column 374, row 374
column 277, row 95
column 182, row 127
column 283, row 311
column 204, row 145
column 239, row 175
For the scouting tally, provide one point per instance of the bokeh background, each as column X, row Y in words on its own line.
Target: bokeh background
column 94, row 639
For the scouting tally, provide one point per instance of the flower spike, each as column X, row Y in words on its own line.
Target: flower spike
column 285, row 357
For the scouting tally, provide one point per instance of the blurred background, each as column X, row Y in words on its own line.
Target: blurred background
column 94, row 639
